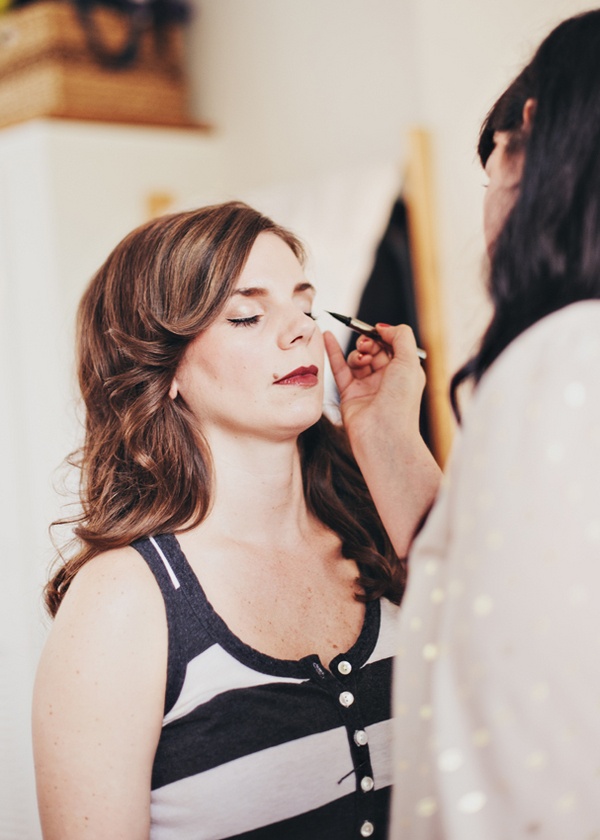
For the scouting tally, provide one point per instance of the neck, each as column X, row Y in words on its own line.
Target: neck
column 258, row 492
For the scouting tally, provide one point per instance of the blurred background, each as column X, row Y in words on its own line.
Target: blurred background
column 301, row 107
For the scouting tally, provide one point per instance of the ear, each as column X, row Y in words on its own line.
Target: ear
column 174, row 389
column 528, row 114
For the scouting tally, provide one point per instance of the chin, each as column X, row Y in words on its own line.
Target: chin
column 304, row 421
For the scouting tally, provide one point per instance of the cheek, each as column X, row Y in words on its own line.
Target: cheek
column 497, row 204
column 205, row 372
column 488, row 222
column 503, row 189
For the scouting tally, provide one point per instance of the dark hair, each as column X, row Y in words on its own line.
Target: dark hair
column 548, row 252
column 144, row 467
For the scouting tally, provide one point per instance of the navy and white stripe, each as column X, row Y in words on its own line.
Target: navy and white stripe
column 264, row 748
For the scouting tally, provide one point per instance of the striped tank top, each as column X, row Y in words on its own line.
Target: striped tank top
column 260, row 748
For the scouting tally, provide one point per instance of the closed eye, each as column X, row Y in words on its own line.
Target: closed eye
column 310, row 315
column 245, row 322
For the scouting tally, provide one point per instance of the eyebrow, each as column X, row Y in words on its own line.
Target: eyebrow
column 257, row 291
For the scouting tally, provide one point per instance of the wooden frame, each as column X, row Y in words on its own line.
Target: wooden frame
column 418, row 196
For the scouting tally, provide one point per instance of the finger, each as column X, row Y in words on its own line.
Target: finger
column 401, row 338
column 360, row 364
column 377, row 357
column 362, row 373
column 356, row 359
column 381, row 360
column 339, row 367
column 374, row 348
column 364, row 344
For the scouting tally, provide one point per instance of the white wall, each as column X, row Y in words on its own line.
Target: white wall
column 295, row 87
column 299, row 87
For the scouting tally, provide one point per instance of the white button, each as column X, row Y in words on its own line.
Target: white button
column 366, row 829
column 360, row 738
column 346, row 698
column 367, row 784
column 344, row 667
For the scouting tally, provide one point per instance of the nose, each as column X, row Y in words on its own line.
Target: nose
column 297, row 327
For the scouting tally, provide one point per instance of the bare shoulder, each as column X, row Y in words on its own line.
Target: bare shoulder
column 116, row 586
column 113, row 615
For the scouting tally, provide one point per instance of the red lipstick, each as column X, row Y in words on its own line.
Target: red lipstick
column 307, row 376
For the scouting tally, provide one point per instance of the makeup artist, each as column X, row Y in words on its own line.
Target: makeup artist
column 219, row 664
column 497, row 683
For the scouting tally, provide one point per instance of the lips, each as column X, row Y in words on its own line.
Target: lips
column 307, row 376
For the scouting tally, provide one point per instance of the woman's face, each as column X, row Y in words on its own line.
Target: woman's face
column 258, row 369
column 504, row 169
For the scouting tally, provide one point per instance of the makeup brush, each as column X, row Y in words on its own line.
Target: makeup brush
column 366, row 329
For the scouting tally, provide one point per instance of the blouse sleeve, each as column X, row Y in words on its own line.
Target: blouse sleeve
column 497, row 686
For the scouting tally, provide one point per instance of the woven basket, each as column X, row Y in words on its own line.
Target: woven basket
column 47, row 69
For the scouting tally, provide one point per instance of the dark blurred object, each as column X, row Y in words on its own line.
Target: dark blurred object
column 116, row 61
column 389, row 294
column 139, row 17
column 156, row 16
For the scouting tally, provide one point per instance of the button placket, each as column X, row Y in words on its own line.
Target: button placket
column 358, row 741
column 341, row 682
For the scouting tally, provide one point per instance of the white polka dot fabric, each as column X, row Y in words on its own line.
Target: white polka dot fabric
column 497, row 681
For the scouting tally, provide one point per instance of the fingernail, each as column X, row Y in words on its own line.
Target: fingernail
column 359, row 355
column 380, row 324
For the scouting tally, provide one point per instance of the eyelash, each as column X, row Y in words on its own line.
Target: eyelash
column 244, row 322
column 254, row 319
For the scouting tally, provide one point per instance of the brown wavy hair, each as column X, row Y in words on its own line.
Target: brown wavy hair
column 143, row 468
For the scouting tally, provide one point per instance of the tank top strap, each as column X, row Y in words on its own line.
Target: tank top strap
column 177, row 583
column 156, row 551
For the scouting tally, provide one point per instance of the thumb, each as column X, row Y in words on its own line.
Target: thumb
column 401, row 339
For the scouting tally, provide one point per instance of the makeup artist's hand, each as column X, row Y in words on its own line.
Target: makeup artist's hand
column 368, row 357
column 378, row 382
column 380, row 399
